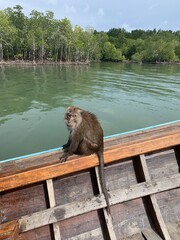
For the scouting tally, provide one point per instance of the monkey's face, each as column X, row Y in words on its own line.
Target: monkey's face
column 73, row 117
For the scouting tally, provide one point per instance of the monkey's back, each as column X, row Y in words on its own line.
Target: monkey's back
column 91, row 134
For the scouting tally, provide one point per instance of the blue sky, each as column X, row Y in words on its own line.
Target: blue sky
column 103, row 15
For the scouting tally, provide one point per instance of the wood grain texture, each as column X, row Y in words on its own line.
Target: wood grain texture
column 9, row 231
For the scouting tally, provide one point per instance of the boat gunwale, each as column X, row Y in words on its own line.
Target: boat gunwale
column 110, row 137
column 82, row 163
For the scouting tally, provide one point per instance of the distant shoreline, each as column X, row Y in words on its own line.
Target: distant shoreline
column 46, row 62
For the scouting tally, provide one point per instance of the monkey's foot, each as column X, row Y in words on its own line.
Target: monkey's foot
column 63, row 158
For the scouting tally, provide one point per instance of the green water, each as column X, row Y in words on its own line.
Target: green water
column 124, row 97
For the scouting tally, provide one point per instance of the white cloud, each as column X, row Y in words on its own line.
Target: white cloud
column 127, row 27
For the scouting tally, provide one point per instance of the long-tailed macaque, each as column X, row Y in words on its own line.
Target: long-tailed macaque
column 86, row 137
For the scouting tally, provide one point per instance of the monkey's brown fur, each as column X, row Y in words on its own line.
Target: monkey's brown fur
column 86, row 137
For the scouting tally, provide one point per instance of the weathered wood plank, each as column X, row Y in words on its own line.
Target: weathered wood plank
column 42, row 233
column 162, row 164
column 150, row 234
column 89, row 223
column 155, row 207
column 169, row 203
column 144, row 189
column 22, row 201
column 9, row 231
column 75, row 187
column 50, row 190
column 58, row 213
column 158, row 215
column 137, row 236
column 113, row 154
column 66, row 211
column 174, row 230
column 108, row 217
column 134, row 149
column 129, row 218
column 94, row 234
column 52, row 203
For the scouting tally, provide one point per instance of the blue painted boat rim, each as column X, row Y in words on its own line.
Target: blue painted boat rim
column 106, row 137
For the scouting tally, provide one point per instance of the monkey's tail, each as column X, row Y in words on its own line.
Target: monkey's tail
column 102, row 180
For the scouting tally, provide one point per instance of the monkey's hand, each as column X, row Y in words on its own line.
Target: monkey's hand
column 64, row 157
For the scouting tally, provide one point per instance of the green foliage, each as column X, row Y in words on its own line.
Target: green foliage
column 7, row 35
column 110, row 53
column 137, row 57
column 177, row 51
column 158, row 50
column 40, row 37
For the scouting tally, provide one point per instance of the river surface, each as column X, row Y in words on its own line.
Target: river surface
column 125, row 97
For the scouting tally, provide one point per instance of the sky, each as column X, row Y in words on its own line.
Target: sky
column 103, row 15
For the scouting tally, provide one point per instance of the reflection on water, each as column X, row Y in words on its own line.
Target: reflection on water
column 124, row 97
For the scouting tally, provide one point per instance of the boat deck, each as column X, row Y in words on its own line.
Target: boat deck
column 44, row 199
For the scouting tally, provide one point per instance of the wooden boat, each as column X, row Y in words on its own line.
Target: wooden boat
column 41, row 198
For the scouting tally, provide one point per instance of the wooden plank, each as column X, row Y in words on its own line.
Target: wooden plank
column 137, row 148
column 52, row 203
column 150, row 234
column 43, row 233
column 144, row 134
column 9, row 231
column 59, row 213
column 169, row 203
column 174, row 230
column 158, row 215
column 21, row 202
column 144, row 189
column 108, row 217
column 50, row 190
column 156, row 212
column 86, row 162
column 137, row 236
column 66, row 211
column 162, row 164
column 89, row 223
column 96, row 233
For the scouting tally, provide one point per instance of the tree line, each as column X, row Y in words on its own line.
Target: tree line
column 41, row 37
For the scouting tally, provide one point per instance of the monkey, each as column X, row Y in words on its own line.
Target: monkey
column 85, row 138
